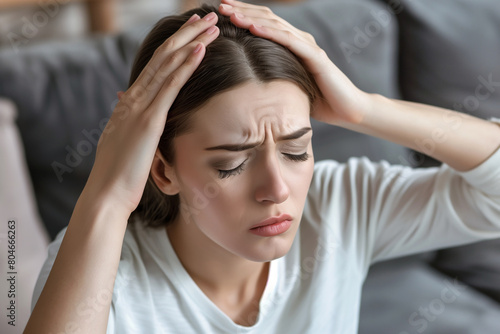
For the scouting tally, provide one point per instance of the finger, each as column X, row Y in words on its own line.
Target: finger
column 147, row 72
column 173, row 43
column 311, row 54
column 245, row 21
column 272, row 24
column 240, row 4
column 182, row 37
column 244, row 16
column 119, row 94
column 158, row 110
column 193, row 18
column 175, row 60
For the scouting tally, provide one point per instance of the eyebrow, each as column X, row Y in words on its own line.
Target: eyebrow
column 243, row 147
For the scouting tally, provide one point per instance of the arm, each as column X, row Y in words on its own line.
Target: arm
column 84, row 270
column 461, row 141
column 388, row 211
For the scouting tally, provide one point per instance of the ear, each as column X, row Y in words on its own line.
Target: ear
column 164, row 175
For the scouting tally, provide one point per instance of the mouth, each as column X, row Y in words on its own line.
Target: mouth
column 272, row 226
column 272, row 221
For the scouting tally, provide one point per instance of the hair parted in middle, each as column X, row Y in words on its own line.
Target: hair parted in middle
column 235, row 57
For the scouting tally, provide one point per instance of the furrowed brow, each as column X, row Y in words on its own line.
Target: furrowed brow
column 233, row 147
column 243, row 147
column 295, row 135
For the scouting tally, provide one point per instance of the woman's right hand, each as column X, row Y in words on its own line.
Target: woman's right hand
column 128, row 144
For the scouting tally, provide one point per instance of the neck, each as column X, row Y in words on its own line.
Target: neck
column 219, row 273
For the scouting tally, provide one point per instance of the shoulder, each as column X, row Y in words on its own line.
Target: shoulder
column 340, row 191
column 329, row 173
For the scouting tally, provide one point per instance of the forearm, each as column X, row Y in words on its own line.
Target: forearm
column 459, row 140
column 77, row 294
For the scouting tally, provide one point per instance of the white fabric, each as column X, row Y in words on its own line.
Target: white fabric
column 355, row 214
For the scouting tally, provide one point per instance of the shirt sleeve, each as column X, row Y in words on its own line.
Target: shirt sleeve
column 379, row 211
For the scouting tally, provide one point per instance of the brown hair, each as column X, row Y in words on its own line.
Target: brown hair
column 233, row 58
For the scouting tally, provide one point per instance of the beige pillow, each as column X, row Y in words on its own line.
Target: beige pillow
column 20, row 226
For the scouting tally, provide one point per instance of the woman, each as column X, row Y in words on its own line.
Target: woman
column 233, row 229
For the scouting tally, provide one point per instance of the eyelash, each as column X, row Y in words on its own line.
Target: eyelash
column 235, row 171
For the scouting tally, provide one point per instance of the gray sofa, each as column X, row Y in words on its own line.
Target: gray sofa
column 444, row 53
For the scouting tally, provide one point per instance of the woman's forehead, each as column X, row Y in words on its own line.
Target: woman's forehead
column 279, row 105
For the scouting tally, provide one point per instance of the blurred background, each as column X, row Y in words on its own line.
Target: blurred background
column 49, row 19
column 66, row 18
column 62, row 62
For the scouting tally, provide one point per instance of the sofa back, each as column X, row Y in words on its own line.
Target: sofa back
column 65, row 92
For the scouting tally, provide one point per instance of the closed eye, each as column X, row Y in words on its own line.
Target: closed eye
column 225, row 173
column 297, row 157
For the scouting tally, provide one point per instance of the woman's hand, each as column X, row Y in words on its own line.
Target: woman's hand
column 341, row 101
column 127, row 146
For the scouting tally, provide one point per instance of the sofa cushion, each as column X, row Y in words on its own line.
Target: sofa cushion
column 64, row 92
column 477, row 264
column 360, row 37
column 449, row 54
column 406, row 296
column 20, row 226
column 450, row 57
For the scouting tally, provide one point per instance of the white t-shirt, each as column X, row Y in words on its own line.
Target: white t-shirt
column 355, row 214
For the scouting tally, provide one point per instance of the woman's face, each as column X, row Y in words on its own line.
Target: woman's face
column 248, row 157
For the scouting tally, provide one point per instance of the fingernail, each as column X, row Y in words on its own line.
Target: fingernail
column 211, row 30
column 210, row 16
column 192, row 18
column 239, row 15
column 227, row 7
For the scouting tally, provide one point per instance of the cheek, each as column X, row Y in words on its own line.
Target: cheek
column 201, row 189
column 302, row 180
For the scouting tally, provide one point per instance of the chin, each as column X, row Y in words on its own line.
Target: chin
column 271, row 251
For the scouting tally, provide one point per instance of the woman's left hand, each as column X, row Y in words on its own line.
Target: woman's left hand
column 341, row 101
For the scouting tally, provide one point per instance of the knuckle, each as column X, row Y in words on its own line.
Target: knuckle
column 320, row 52
column 138, row 94
column 132, row 101
column 310, row 37
column 275, row 21
column 166, row 46
column 267, row 10
column 149, row 71
column 162, row 73
column 173, row 81
column 175, row 57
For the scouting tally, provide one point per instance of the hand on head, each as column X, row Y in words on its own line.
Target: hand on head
column 137, row 122
column 341, row 101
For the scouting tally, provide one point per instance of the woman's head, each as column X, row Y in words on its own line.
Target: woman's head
column 236, row 59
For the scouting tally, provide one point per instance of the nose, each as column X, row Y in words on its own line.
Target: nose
column 270, row 185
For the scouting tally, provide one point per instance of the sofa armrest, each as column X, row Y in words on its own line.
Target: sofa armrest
column 20, row 226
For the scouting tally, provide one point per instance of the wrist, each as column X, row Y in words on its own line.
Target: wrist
column 102, row 203
column 361, row 110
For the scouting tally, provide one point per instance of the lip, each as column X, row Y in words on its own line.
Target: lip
column 272, row 226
